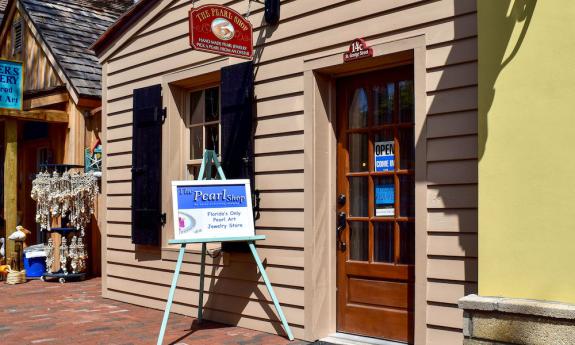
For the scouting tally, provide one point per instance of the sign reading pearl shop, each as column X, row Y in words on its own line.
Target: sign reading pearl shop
column 212, row 209
column 11, row 85
column 221, row 30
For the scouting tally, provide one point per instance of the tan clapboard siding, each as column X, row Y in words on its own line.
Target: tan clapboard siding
column 279, row 144
column 277, row 106
column 120, row 160
column 446, row 101
column 460, row 220
column 280, row 219
column 119, row 188
column 119, row 174
column 278, row 275
column 341, row 34
column 442, row 149
column 220, row 286
column 445, row 316
column 457, row 196
column 119, row 229
column 280, row 181
column 439, row 336
column 462, row 269
column 119, row 133
column 450, row 77
column 306, row 24
column 233, row 304
column 452, row 172
column 283, row 124
column 122, row 119
column 310, row 30
column 222, row 316
column 452, row 124
column 279, row 163
column 119, row 147
column 462, row 245
column 118, row 201
column 118, row 215
column 452, row 53
column 292, row 200
column 451, row 292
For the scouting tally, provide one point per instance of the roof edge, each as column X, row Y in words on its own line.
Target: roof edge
column 121, row 25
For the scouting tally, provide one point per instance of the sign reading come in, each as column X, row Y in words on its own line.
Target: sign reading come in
column 11, row 85
column 221, row 30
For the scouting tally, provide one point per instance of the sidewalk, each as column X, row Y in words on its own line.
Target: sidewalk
column 75, row 313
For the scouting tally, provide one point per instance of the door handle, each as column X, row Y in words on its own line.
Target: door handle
column 341, row 224
column 341, row 221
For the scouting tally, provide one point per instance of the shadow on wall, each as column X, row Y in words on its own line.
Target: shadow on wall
column 509, row 15
column 456, row 112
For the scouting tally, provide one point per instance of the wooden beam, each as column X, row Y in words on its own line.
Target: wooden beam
column 43, row 101
column 89, row 103
column 57, row 116
column 10, row 180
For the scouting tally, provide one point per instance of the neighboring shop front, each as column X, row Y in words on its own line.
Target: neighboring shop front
column 58, row 121
column 366, row 169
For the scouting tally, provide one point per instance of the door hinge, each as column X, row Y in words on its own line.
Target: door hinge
column 163, row 219
column 164, row 115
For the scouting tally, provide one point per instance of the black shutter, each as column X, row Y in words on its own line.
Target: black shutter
column 147, row 166
column 237, row 94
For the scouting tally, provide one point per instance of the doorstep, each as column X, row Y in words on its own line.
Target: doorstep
column 350, row 339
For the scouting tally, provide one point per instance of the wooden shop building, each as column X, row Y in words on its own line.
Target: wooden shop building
column 60, row 116
column 366, row 170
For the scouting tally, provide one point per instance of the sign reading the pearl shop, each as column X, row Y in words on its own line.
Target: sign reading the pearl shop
column 212, row 209
column 221, row 30
column 11, row 85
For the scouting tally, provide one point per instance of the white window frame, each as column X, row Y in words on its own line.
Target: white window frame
column 188, row 162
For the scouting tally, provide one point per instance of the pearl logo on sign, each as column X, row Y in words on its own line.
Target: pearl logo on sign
column 223, row 29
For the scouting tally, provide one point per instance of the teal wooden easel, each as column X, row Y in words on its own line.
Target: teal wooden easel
column 209, row 161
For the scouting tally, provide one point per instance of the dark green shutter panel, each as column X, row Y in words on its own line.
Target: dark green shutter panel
column 237, row 94
column 147, row 166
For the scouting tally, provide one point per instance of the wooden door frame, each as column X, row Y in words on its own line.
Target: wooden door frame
column 320, row 167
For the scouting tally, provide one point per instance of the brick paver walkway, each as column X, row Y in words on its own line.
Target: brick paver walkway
column 75, row 313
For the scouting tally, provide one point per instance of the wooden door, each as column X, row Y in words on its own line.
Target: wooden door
column 376, row 204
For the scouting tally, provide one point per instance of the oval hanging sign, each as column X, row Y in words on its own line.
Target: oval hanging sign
column 221, row 30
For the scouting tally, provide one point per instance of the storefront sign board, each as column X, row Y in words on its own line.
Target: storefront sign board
column 384, row 156
column 11, row 85
column 221, row 30
column 358, row 49
column 212, row 209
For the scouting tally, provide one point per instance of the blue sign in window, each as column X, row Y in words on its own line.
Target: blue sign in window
column 385, row 194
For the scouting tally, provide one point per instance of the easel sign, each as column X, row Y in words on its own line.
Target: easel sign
column 212, row 209
column 207, row 211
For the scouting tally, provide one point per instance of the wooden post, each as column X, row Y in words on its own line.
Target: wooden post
column 10, row 180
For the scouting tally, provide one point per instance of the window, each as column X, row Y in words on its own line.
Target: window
column 203, row 127
column 17, row 38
